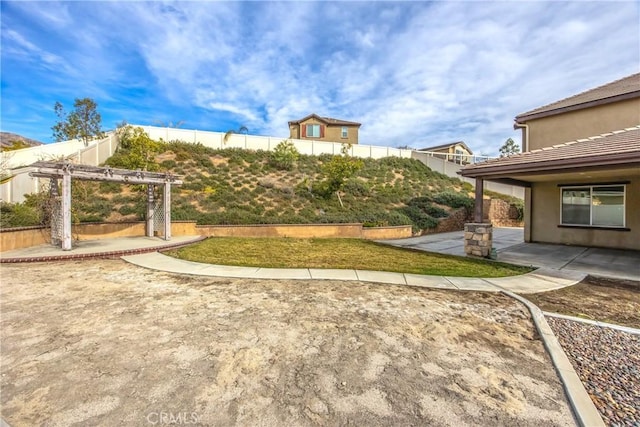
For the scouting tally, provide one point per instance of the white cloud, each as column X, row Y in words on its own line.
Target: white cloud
column 244, row 113
column 410, row 72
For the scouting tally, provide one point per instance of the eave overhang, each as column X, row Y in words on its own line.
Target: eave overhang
column 567, row 165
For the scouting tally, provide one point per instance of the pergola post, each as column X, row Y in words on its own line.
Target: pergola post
column 166, row 200
column 55, row 214
column 479, row 202
column 150, row 210
column 66, row 208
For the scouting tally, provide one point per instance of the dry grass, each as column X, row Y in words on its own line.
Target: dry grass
column 337, row 253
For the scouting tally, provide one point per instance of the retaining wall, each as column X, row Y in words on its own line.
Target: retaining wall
column 24, row 237
column 501, row 214
column 306, row 231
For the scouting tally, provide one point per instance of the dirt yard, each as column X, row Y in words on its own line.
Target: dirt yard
column 107, row 343
column 606, row 300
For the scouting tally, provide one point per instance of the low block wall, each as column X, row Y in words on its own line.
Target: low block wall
column 24, row 237
column 107, row 230
column 383, row 233
column 306, row 231
column 17, row 238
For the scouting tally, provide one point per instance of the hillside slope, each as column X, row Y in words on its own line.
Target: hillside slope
column 234, row 186
column 7, row 139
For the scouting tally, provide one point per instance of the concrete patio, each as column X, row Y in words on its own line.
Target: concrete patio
column 511, row 248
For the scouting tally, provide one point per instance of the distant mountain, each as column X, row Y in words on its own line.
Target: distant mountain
column 7, row 139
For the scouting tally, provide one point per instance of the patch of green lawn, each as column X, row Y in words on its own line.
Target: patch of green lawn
column 337, row 253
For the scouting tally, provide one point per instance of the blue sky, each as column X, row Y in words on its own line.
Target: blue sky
column 413, row 73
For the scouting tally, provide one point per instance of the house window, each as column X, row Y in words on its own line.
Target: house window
column 598, row 206
column 313, row 131
column 344, row 133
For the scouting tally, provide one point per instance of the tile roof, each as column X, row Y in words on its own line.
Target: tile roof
column 327, row 120
column 619, row 147
column 451, row 144
column 339, row 122
column 625, row 88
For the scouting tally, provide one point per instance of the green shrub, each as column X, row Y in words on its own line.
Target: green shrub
column 129, row 209
column 436, row 212
column 183, row 212
column 284, row 155
column 454, row 200
column 420, row 219
column 519, row 206
column 95, row 210
column 110, row 187
column 168, row 164
column 18, row 215
column 357, row 187
column 119, row 199
column 136, row 150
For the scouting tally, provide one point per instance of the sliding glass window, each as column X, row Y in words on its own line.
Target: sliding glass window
column 598, row 206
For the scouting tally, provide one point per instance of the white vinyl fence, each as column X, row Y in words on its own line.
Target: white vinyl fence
column 437, row 163
column 16, row 163
column 268, row 143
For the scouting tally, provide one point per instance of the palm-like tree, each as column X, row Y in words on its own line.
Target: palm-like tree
column 242, row 129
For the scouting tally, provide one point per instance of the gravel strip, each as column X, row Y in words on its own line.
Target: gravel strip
column 608, row 363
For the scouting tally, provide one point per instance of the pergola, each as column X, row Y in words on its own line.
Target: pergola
column 66, row 171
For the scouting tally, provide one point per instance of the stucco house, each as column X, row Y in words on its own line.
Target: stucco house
column 457, row 152
column 580, row 168
column 324, row 129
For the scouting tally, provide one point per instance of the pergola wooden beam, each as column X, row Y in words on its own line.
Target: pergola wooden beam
column 93, row 173
column 67, row 171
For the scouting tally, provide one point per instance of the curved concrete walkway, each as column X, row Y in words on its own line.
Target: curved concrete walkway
column 511, row 248
column 540, row 280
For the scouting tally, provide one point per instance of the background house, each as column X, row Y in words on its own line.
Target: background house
column 580, row 170
column 324, row 129
column 456, row 152
column 613, row 106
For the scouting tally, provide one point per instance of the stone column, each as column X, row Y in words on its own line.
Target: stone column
column 478, row 239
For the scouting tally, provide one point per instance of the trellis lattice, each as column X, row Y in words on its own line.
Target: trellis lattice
column 56, row 220
column 158, row 215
